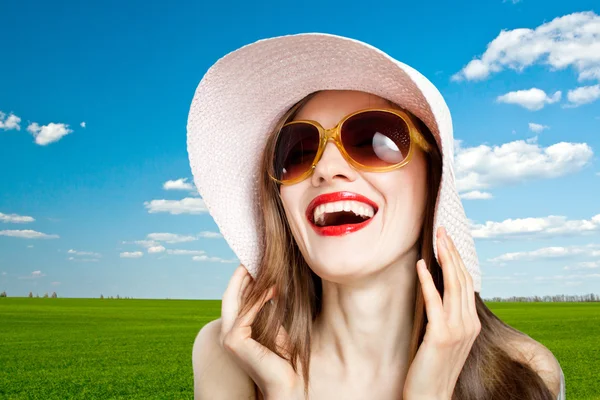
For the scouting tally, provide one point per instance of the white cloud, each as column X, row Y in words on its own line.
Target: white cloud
column 185, row 252
column 543, row 253
column 483, row 167
column 565, row 277
column 170, row 237
column 83, row 259
column 550, row 226
column 569, row 41
column 15, row 219
column 532, row 99
column 134, row 254
column 156, row 249
column 12, row 122
column 179, row 184
column 154, row 242
column 33, row 275
column 554, row 252
column 55, row 283
column 475, row 70
column 144, row 243
column 497, row 278
column 583, row 95
column 27, row 234
column 210, row 235
column 537, row 128
column 188, row 205
column 82, row 124
column 47, row 134
column 515, row 279
column 3, row 273
column 84, row 253
column 573, row 283
column 213, row 259
column 584, row 265
column 476, row 195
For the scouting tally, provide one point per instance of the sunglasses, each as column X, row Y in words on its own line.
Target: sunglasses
column 373, row 140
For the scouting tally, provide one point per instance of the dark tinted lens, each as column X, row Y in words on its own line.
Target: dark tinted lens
column 376, row 138
column 295, row 150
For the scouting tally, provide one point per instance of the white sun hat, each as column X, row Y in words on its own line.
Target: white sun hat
column 243, row 95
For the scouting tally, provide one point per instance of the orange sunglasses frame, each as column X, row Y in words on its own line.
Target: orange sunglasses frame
column 334, row 134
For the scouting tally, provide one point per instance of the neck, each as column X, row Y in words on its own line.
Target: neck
column 365, row 327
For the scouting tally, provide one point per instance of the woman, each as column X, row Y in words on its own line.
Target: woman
column 327, row 166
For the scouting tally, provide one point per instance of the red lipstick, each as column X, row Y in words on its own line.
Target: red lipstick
column 337, row 230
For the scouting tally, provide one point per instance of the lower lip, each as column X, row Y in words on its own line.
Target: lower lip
column 339, row 230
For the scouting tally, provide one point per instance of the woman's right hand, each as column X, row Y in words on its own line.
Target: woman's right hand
column 274, row 375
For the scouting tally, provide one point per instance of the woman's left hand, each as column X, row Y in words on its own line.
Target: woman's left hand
column 451, row 330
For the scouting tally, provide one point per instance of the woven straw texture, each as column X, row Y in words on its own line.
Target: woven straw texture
column 241, row 97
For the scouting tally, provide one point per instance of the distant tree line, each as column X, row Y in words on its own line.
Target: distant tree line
column 559, row 298
column 45, row 296
column 54, row 296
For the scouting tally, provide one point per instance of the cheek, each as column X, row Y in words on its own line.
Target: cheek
column 290, row 198
column 404, row 193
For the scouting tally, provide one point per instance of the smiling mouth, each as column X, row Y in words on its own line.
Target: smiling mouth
column 342, row 213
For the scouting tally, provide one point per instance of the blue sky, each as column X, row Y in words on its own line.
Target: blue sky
column 96, row 193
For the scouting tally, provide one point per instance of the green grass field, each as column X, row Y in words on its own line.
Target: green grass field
column 101, row 349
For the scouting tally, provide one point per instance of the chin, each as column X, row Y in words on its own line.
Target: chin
column 338, row 269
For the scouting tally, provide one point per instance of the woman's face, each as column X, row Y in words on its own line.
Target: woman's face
column 399, row 196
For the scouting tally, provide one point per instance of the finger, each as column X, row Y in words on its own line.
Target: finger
column 469, row 311
column 471, row 298
column 460, row 273
column 264, row 366
column 248, row 318
column 431, row 296
column 452, row 296
column 469, row 293
column 244, row 288
column 230, row 304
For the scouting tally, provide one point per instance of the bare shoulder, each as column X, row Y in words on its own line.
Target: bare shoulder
column 541, row 359
column 216, row 375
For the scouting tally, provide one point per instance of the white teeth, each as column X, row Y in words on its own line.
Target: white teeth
column 356, row 207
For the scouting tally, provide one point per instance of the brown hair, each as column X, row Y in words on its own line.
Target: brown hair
column 490, row 372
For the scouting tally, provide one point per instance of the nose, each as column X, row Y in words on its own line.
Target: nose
column 332, row 166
